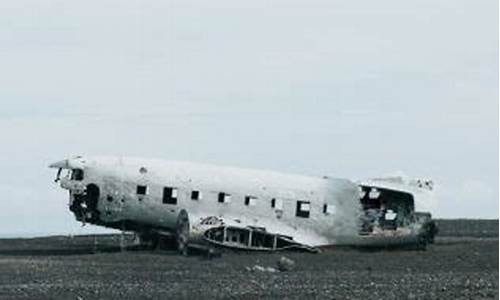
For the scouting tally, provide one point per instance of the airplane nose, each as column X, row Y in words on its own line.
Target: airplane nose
column 62, row 164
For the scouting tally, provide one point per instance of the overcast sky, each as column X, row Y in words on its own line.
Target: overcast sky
column 351, row 89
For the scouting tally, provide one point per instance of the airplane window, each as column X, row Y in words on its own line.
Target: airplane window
column 142, row 190
column 224, row 198
column 374, row 193
column 250, row 200
column 390, row 215
column 195, row 195
column 77, row 174
column 169, row 195
column 277, row 203
column 328, row 209
column 303, row 209
column 362, row 192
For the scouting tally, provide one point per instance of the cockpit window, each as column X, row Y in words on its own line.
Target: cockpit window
column 77, row 174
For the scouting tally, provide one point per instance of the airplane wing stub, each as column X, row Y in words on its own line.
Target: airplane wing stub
column 254, row 239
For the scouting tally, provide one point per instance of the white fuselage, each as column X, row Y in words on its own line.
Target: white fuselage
column 331, row 205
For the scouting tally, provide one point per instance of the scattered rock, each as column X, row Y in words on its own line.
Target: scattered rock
column 261, row 269
column 285, row 264
column 258, row 268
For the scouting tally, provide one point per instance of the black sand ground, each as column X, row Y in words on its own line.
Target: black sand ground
column 458, row 266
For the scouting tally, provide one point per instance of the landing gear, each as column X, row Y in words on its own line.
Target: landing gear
column 430, row 230
column 149, row 240
column 182, row 232
column 175, row 237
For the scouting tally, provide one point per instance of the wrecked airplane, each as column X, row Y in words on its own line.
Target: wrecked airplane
column 198, row 204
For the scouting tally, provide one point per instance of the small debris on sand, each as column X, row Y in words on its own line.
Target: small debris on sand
column 285, row 264
column 261, row 269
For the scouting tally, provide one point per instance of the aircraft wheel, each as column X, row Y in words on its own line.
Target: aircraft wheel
column 182, row 232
